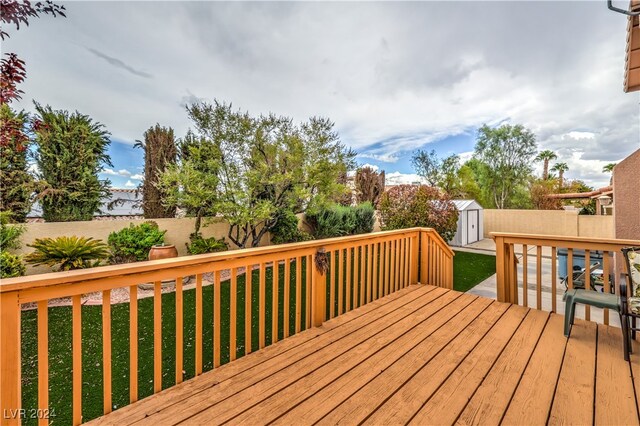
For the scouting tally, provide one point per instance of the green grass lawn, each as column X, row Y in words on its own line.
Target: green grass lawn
column 60, row 336
column 470, row 269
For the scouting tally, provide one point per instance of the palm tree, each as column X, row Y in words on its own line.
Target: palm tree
column 546, row 156
column 560, row 168
column 609, row 169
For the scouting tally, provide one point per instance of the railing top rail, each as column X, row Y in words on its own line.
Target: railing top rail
column 516, row 237
column 53, row 278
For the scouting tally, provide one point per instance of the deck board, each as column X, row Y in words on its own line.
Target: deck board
column 423, row 355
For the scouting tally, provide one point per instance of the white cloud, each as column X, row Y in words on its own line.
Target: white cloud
column 371, row 166
column 579, row 135
column 417, row 73
column 398, row 178
column 137, row 176
column 121, row 172
column 130, row 184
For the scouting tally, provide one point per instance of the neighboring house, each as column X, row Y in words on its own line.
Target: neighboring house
column 603, row 197
column 124, row 203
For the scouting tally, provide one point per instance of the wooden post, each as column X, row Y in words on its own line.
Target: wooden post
column 424, row 253
column 415, row 242
column 319, row 293
column 501, row 277
column 10, row 370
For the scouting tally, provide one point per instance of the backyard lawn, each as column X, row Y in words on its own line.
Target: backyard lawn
column 470, row 269
column 60, row 335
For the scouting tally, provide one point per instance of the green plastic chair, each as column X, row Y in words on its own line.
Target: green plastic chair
column 587, row 297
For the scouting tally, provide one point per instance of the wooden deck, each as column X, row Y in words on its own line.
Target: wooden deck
column 423, row 355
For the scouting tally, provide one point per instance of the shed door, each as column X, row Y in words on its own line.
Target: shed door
column 472, row 226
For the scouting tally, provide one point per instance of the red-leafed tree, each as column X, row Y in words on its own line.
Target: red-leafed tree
column 18, row 12
column 408, row 206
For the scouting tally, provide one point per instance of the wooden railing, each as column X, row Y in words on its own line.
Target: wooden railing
column 308, row 281
column 516, row 252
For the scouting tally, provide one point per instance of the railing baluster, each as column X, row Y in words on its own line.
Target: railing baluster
column 539, row 277
column 133, row 339
column 157, row 336
column 554, row 279
column 217, row 305
column 275, row 287
column 179, row 331
column 261, row 306
column 332, row 284
column 388, row 274
column 606, row 283
column 348, row 279
column 233, row 317
column 525, row 273
column 341, row 281
column 248, row 289
column 287, row 294
column 106, row 350
column 198, row 355
column 43, row 359
column 309, row 271
column 570, row 268
column 369, row 272
column 77, row 358
column 362, row 274
column 393, row 254
column 587, row 281
column 298, row 292
column 375, row 266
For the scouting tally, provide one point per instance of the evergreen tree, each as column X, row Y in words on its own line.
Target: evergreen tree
column 71, row 149
column 160, row 151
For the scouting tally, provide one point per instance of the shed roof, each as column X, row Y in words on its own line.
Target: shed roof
column 466, row 205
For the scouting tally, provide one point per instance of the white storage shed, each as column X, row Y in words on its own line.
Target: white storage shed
column 470, row 217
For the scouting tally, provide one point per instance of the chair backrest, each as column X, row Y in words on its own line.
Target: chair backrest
column 632, row 259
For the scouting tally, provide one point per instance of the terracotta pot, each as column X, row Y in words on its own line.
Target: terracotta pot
column 163, row 252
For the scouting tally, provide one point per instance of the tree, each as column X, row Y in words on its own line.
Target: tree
column 263, row 165
column 561, row 168
column 506, row 153
column 16, row 183
column 13, row 68
column 438, row 172
column 160, row 151
column 609, row 168
column 407, row 206
column 427, row 165
column 546, row 156
column 70, row 152
column 468, row 184
column 369, row 185
column 192, row 183
column 540, row 190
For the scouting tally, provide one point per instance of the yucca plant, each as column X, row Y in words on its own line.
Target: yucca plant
column 67, row 252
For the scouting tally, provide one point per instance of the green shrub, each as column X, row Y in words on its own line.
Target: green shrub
column 364, row 218
column 201, row 245
column 11, row 265
column 132, row 244
column 338, row 221
column 407, row 206
column 67, row 252
column 9, row 233
column 286, row 229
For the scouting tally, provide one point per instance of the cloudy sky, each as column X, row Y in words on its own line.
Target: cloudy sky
column 394, row 77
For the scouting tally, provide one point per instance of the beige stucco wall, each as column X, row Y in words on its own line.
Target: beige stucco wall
column 178, row 231
column 547, row 222
column 626, row 197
